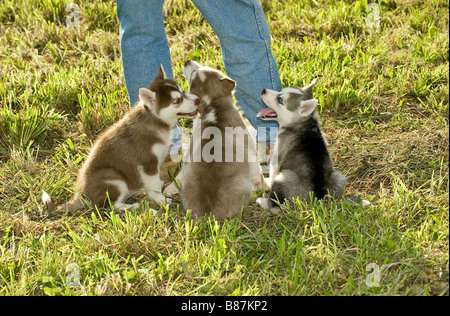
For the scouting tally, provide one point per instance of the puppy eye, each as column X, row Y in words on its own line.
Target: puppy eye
column 280, row 100
column 177, row 101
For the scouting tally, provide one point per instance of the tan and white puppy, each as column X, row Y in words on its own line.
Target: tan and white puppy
column 218, row 175
column 127, row 157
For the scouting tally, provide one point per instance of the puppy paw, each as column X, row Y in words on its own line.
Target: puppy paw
column 275, row 210
column 266, row 205
column 171, row 189
column 158, row 197
column 168, row 201
column 263, row 203
column 120, row 207
column 164, row 200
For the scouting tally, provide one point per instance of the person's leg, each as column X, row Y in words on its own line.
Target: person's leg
column 245, row 41
column 144, row 47
column 143, row 43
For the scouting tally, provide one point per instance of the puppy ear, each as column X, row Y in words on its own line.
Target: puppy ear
column 161, row 73
column 307, row 107
column 147, row 97
column 309, row 88
column 228, row 84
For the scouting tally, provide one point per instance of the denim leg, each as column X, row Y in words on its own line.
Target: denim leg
column 245, row 42
column 144, row 47
column 143, row 43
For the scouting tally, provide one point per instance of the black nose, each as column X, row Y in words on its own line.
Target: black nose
column 263, row 92
column 197, row 102
column 187, row 63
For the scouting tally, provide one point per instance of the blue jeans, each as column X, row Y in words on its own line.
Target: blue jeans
column 244, row 39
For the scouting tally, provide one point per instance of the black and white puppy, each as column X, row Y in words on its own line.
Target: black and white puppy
column 300, row 163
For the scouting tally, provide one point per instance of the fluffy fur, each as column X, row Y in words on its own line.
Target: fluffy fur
column 301, row 164
column 127, row 156
column 217, row 188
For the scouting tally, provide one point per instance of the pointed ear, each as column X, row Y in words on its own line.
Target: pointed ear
column 228, row 84
column 307, row 107
column 161, row 73
column 309, row 88
column 147, row 97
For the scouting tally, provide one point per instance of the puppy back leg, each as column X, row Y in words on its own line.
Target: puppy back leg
column 118, row 191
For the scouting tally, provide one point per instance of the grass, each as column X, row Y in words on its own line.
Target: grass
column 384, row 107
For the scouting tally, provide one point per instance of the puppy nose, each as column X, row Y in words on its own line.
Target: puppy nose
column 187, row 63
column 197, row 101
column 263, row 92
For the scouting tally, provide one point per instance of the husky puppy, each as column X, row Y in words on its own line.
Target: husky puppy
column 127, row 157
column 301, row 163
column 214, row 179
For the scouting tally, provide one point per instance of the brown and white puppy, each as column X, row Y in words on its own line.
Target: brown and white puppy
column 127, row 157
column 218, row 175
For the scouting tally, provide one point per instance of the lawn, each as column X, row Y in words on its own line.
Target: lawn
column 384, row 106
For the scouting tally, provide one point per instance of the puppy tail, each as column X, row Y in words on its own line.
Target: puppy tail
column 70, row 206
column 47, row 200
column 357, row 200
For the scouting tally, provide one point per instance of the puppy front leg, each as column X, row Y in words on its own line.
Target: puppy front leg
column 152, row 184
column 172, row 188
